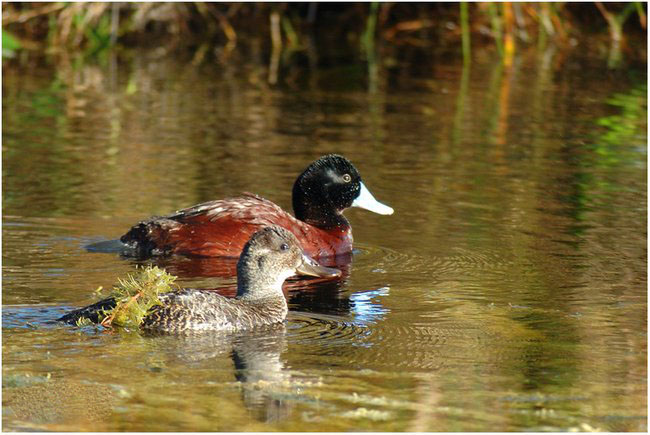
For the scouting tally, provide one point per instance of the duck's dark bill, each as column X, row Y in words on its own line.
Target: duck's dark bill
column 312, row 268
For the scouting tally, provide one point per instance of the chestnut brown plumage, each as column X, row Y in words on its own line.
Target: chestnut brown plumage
column 220, row 228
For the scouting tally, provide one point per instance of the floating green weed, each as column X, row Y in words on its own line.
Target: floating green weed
column 134, row 296
column 83, row 321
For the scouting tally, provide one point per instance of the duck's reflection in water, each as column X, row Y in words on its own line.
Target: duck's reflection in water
column 267, row 388
column 266, row 384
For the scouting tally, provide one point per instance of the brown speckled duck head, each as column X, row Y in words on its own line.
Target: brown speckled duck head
column 272, row 255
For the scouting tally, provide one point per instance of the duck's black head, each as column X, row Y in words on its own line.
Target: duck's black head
column 272, row 255
column 326, row 188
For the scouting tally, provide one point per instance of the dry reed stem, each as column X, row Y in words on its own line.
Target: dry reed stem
column 9, row 18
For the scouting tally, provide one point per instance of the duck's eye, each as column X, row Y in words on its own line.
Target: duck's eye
column 347, row 178
column 284, row 247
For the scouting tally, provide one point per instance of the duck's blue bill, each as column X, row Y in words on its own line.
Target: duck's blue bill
column 367, row 201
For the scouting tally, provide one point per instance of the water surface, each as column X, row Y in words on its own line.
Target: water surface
column 507, row 292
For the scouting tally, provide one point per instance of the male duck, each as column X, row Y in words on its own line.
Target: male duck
column 271, row 255
column 221, row 228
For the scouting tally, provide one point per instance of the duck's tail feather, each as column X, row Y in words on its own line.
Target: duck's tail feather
column 91, row 312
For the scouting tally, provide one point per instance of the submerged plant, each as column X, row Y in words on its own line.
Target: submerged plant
column 133, row 297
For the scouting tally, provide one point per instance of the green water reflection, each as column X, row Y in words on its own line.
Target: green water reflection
column 508, row 291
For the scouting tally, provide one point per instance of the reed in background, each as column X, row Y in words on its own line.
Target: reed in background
column 281, row 27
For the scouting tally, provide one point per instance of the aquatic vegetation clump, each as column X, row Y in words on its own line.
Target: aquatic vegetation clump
column 135, row 295
column 83, row 321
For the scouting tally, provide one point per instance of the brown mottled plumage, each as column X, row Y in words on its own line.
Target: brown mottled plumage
column 271, row 256
column 198, row 310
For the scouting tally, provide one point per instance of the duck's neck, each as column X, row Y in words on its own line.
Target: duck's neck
column 254, row 284
column 311, row 206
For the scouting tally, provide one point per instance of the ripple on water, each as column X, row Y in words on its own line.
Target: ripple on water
column 325, row 330
column 348, row 343
column 403, row 348
column 379, row 259
column 414, row 338
column 31, row 316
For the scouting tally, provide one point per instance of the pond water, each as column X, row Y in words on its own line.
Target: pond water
column 507, row 292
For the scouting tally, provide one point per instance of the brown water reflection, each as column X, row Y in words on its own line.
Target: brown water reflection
column 507, row 292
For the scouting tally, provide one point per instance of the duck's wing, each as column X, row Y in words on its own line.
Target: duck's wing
column 248, row 207
column 192, row 310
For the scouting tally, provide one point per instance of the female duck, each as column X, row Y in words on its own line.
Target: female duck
column 221, row 228
column 271, row 255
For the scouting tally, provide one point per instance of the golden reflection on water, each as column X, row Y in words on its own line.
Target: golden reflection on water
column 508, row 291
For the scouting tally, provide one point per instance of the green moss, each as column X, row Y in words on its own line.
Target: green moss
column 135, row 295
